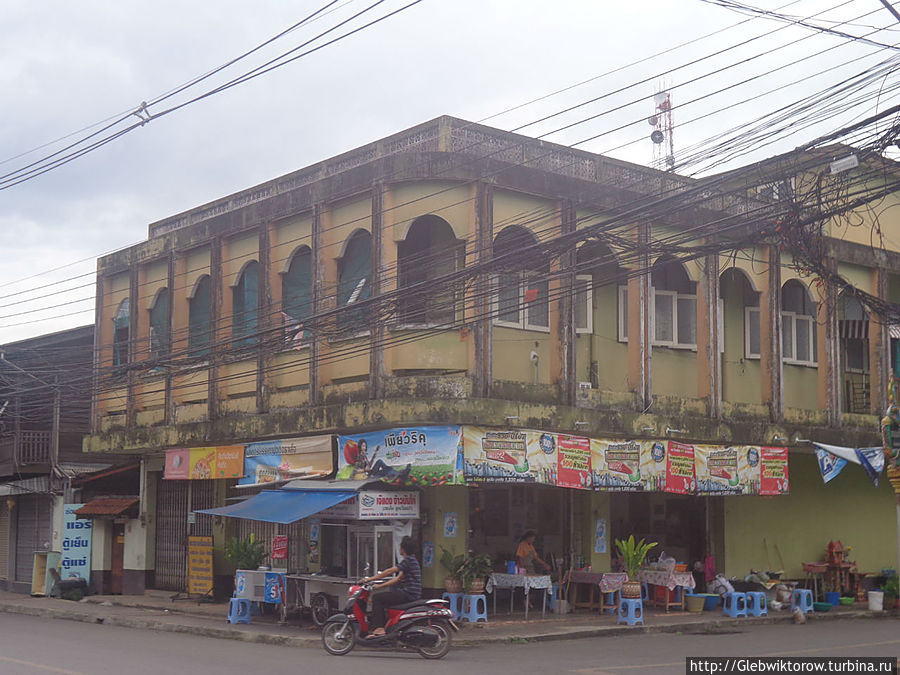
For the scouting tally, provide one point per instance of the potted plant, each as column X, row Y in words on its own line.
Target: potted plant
column 891, row 590
column 454, row 564
column 474, row 571
column 633, row 555
column 245, row 554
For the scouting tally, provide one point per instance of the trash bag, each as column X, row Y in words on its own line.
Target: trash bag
column 720, row 585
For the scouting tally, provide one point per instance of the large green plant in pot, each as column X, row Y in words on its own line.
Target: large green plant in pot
column 633, row 555
column 455, row 566
column 245, row 554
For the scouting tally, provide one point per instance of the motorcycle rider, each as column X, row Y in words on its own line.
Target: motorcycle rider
column 408, row 580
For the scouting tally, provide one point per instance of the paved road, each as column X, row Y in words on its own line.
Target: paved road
column 32, row 646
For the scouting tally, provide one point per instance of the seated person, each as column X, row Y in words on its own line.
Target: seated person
column 408, row 580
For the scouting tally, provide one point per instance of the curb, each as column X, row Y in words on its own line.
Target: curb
column 460, row 641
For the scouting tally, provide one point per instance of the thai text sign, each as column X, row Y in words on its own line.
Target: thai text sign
column 773, row 471
column 200, row 565
column 574, row 462
column 628, row 466
column 403, row 456
column 374, row 505
column 281, row 460
column 510, row 456
column 76, row 544
column 279, row 547
column 680, row 469
column 205, row 463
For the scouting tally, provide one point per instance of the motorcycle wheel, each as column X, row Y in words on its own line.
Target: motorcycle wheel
column 440, row 650
column 319, row 609
column 338, row 638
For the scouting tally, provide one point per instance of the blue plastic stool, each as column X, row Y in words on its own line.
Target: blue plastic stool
column 735, row 605
column 456, row 601
column 802, row 598
column 474, row 608
column 239, row 610
column 611, row 601
column 756, row 604
column 631, row 611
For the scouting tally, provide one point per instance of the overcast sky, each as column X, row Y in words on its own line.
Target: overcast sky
column 66, row 66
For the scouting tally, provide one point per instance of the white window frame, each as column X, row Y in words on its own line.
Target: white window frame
column 522, row 323
column 748, row 310
column 622, row 314
column 673, row 343
column 794, row 318
column 588, row 281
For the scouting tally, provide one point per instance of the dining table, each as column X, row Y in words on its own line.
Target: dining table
column 526, row 582
column 598, row 585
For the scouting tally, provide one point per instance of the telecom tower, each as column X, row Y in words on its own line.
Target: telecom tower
column 663, row 135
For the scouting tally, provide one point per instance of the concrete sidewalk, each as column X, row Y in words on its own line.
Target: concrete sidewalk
column 159, row 611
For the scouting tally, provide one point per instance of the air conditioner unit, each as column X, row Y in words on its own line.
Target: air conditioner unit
column 584, row 385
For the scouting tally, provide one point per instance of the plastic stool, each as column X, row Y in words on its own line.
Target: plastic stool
column 610, row 600
column 735, row 605
column 474, row 608
column 239, row 610
column 456, row 602
column 645, row 591
column 631, row 611
column 802, row 598
column 756, row 604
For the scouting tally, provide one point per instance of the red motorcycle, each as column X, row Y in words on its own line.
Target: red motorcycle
column 424, row 626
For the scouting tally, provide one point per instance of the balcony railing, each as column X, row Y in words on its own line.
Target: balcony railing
column 26, row 447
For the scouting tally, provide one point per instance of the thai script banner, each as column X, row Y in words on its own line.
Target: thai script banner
column 287, row 458
column 574, row 462
column 510, row 456
column 200, row 565
column 730, row 470
column 76, row 544
column 404, row 456
column 680, row 469
column 773, row 471
column 205, row 463
column 628, row 466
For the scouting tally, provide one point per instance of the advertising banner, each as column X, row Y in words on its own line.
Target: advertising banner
column 279, row 547
column 829, row 465
column 200, row 565
column 574, row 462
column 680, row 469
column 773, row 471
column 403, row 456
column 205, row 463
column 375, row 505
column 281, row 460
column 724, row 470
column 510, row 456
column 76, row 544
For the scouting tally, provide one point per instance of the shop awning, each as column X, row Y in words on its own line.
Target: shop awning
column 108, row 507
column 283, row 506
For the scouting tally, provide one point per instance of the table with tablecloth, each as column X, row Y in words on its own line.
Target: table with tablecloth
column 670, row 580
column 524, row 581
column 604, row 582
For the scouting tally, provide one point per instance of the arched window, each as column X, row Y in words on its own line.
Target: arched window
column 159, row 324
column 199, row 328
column 734, row 286
column 429, row 251
column 355, row 282
column 296, row 295
column 245, row 306
column 674, row 298
column 853, row 328
column 522, row 289
column 596, row 267
column 121, row 333
column 798, row 324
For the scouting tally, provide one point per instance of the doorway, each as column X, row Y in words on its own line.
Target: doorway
column 117, row 563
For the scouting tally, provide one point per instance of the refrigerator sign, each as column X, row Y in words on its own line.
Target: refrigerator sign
column 374, row 505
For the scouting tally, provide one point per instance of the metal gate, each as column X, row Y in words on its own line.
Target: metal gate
column 175, row 499
column 33, row 531
column 4, row 541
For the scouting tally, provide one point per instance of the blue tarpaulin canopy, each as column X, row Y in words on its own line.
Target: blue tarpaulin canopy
column 283, row 506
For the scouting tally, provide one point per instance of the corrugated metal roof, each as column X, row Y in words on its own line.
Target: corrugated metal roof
column 26, row 486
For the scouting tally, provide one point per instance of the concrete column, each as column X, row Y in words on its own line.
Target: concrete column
column 170, row 347
column 376, row 325
column 100, row 351
column 879, row 348
column 268, row 321
column 709, row 375
column 217, row 332
column 317, row 293
column 482, row 373
column 140, row 541
column 566, row 318
column 134, row 305
column 640, row 340
column 829, row 370
column 771, row 366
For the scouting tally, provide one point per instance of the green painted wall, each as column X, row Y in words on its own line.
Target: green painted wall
column 603, row 345
column 435, row 503
column 801, row 387
column 512, row 349
column 740, row 376
column 675, row 372
column 801, row 524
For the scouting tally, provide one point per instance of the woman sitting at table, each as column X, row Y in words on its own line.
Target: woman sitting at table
column 526, row 555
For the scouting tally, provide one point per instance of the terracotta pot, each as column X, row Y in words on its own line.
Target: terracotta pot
column 631, row 589
column 453, row 585
column 476, row 587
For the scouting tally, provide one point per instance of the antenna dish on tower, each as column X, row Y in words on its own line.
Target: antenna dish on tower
column 663, row 131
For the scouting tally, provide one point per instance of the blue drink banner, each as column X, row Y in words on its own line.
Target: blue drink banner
column 403, row 456
column 829, row 465
column 76, row 545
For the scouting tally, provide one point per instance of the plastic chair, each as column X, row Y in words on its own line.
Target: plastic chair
column 735, row 605
column 239, row 610
column 456, row 601
column 802, row 598
column 631, row 611
column 756, row 604
column 474, row 608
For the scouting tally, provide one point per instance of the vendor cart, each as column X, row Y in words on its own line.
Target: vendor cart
column 321, row 594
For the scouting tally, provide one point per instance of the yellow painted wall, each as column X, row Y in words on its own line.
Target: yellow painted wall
column 191, row 388
column 290, row 369
column 859, row 228
column 675, row 372
column 443, row 351
column 237, row 252
column 603, row 344
column 512, row 355
column 514, row 208
column 344, row 358
column 801, row 387
column 445, row 199
column 196, row 265
column 436, row 502
column 801, row 524
column 285, row 238
column 740, row 376
column 894, row 288
column 859, row 276
column 238, row 378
